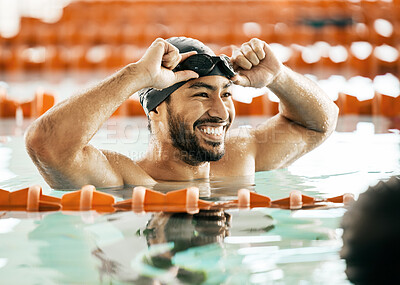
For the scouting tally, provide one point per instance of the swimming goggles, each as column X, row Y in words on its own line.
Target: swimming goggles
column 204, row 64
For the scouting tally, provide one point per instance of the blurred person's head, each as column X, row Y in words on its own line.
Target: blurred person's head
column 194, row 115
column 372, row 234
column 185, row 231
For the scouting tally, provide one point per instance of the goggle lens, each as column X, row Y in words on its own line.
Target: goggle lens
column 203, row 64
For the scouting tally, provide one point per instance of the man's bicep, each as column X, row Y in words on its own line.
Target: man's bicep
column 279, row 142
column 89, row 166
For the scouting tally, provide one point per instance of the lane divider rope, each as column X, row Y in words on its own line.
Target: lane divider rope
column 146, row 200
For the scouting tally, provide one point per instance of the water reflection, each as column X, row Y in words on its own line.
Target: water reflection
column 219, row 246
column 224, row 188
column 184, row 231
column 233, row 247
column 171, row 235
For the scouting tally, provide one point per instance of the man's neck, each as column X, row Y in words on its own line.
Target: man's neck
column 164, row 162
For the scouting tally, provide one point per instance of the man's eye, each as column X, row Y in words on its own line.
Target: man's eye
column 226, row 94
column 205, row 95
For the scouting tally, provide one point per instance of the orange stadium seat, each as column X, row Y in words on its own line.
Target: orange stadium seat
column 115, row 59
column 386, row 105
column 56, row 58
column 42, row 102
column 11, row 59
column 271, row 108
column 33, row 58
column 27, row 33
column 350, row 105
column 260, row 105
column 363, row 67
column 387, row 59
column 46, row 34
column 7, row 106
column 301, row 34
column 66, row 34
column 88, row 24
column 256, row 107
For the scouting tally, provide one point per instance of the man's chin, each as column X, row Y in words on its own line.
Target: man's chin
column 203, row 155
column 214, row 145
column 214, row 153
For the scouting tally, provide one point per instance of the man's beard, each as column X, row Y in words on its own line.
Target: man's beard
column 191, row 152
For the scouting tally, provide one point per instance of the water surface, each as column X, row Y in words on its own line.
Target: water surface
column 258, row 246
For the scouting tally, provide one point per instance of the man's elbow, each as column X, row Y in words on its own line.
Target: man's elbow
column 332, row 118
column 327, row 122
column 36, row 145
column 316, row 135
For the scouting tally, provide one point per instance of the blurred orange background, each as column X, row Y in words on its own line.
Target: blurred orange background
column 350, row 47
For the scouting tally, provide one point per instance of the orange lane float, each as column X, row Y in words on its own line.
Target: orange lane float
column 146, row 200
column 28, row 199
column 298, row 201
column 87, row 199
column 250, row 199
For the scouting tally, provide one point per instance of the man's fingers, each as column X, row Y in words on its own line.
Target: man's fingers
column 258, row 47
column 171, row 57
column 156, row 50
column 241, row 80
column 250, row 55
column 240, row 60
column 171, row 60
column 187, row 54
column 185, row 75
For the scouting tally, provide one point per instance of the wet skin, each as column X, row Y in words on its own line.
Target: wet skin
column 196, row 118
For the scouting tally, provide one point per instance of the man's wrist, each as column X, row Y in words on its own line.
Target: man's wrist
column 280, row 78
column 138, row 77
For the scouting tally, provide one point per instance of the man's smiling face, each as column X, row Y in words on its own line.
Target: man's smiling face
column 199, row 115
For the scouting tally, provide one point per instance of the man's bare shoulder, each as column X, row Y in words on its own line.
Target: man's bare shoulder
column 130, row 171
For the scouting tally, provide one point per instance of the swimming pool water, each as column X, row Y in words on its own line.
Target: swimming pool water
column 258, row 246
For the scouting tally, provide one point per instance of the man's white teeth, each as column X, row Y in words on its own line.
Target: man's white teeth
column 218, row 131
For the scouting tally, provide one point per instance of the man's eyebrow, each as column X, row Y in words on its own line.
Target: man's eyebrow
column 198, row 85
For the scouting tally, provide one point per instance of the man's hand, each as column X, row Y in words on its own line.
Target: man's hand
column 159, row 61
column 255, row 64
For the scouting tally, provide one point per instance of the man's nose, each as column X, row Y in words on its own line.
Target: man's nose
column 219, row 109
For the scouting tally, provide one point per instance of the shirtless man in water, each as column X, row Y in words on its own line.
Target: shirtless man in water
column 186, row 93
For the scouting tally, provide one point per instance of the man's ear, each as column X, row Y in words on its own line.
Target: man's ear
column 155, row 114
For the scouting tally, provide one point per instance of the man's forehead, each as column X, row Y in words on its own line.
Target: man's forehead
column 208, row 82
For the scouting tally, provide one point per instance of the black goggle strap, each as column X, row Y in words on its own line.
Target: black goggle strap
column 227, row 65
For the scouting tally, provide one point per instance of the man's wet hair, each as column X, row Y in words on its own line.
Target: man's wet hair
column 371, row 235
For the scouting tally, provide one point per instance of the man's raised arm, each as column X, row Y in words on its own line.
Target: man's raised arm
column 58, row 141
column 307, row 115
